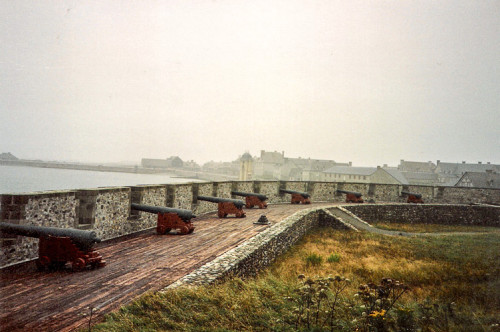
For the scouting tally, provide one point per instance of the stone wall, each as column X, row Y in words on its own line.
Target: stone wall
column 259, row 251
column 477, row 215
column 107, row 210
column 55, row 209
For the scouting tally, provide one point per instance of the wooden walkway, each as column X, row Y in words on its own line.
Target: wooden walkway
column 56, row 301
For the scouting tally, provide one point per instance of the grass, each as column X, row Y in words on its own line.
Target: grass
column 432, row 228
column 454, row 284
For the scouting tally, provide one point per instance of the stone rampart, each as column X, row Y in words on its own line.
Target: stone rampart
column 474, row 215
column 107, row 210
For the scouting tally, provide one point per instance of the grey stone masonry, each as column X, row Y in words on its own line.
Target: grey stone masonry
column 107, row 210
column 476, row 215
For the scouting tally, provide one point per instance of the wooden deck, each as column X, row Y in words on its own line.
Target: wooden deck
column 56, row 301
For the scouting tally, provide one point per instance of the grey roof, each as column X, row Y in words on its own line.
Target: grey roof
column 416, row 166
column 420, row 176
column 481, row 179
column 350, row 170
column 271, row 157
column 461, row 168
column 397, row 175
column 246, row 157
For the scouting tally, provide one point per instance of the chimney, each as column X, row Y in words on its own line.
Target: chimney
column 479, row 162
column 438, row 162
column 463, row 162
column 350, row 163
column 488, row 162
column 385, row 165
column 378, row 167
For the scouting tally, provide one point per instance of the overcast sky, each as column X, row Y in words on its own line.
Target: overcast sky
column 370, row 82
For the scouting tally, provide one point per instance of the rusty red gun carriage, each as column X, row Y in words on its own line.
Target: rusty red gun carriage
column 226, row 206
column 60, row 246
column 252, row 199
column 169, row 218
column 297, row 196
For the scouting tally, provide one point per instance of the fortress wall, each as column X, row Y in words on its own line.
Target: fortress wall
column 322, row 191
column 270, row 189
column 473, row 215
column 107, row 210
column 146, row 195
column 203, row 189
column 112, row 210
column 50, row 209
column 180, row 196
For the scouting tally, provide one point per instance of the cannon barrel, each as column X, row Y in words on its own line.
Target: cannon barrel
column 410, row 193
column 185, row 215
column 238, row 203
column 82, row 239
column 350, row 192
column 303, row 194
column 259, row 196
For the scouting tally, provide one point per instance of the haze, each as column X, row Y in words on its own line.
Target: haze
column 370, row 82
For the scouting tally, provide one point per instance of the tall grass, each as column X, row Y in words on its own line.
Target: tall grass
column 455, row 280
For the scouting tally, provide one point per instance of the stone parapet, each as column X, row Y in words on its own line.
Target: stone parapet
column 107, row 210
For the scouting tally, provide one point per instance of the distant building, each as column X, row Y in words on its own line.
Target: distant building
column 246, row 167
column 421, row 178
column 488, row 179
column 274, row 166
column 172, row 162
column 450, row 173
column 154, row 163
column 7, row 156
column 416, row 166
column 175, row 162
column 364, row 175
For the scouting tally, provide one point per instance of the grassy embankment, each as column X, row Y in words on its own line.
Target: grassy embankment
column 454, row 284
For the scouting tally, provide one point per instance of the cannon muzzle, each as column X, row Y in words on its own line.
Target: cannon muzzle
column 411, row 194
column 239, row 204
column 350, row 192
column 301, row 193
column 259, row 196
column 185, row 215
column 82, row 239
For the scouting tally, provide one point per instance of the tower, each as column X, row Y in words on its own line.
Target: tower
column 246, row 167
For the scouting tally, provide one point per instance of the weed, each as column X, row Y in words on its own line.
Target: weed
column 314, row 259
column 333, row 258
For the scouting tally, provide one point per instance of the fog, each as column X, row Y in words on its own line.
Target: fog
column 370, row 82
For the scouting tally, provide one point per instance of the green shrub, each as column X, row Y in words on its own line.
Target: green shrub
column 314, row 259
column 333, row 258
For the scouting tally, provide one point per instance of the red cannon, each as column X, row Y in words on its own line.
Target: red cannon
column 351, row 196
column 169, row 218
column 226, row 206
column 60, row 246
column 297, row 196
column 252, row 199
column 413, row 197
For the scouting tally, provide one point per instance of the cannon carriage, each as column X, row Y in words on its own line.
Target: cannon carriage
column 351, row 196
column 226, row 206
column 252, row 199
column 60, row 246
column 297, row 196
column 413, row 197
column 169, row 218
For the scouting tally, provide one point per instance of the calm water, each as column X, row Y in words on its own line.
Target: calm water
column 17, row 179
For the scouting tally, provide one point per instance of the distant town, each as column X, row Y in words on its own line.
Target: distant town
column 276, row 166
